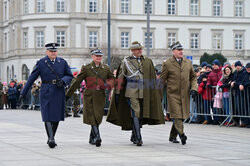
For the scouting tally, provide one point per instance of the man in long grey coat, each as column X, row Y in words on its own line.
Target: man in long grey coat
column 55, row 75
column 181, row 82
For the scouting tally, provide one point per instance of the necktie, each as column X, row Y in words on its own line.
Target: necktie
column 53, row 62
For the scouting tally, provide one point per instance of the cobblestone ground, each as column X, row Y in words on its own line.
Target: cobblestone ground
column 23, row 143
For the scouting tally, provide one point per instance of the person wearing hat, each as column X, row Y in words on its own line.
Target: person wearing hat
column 181, row 83
column 204, row 64
column 237, row 96
column 136, row 100
column 98, row 77
column 55, row 75
column 245, row 88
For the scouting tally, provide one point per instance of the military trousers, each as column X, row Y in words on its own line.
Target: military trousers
column 177, row 128
column 136, row 106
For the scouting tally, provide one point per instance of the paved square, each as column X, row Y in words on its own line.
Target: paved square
column 23, row 143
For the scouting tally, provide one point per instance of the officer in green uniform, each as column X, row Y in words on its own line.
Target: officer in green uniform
column 98, row 77
column 137, row 100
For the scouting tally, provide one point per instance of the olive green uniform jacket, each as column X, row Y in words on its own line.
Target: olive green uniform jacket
column 152, row 112
column 94, row 95
column 180, row 80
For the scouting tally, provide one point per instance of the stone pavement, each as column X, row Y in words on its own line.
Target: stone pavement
column 23, row 143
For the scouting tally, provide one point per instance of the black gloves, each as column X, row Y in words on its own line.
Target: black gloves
column 60, row 83
column 193, row 93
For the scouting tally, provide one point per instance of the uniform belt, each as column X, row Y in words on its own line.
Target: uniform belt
column 135, row 81
column 49, row 82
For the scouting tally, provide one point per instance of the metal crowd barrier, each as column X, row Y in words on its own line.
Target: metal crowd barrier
column 234, row 104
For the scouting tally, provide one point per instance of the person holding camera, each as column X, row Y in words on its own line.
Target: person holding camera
column 55, row 75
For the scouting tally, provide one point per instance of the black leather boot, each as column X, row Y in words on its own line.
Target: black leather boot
column 54, row 128
column 133, row 137
column 137, row 130
column 76, row 115
column 91, row 137
column 97, row 138
column 174, row 140
column 183, row 138
column 50, row 133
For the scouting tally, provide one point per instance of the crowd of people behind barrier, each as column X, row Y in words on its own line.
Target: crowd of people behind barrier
column 223, row 95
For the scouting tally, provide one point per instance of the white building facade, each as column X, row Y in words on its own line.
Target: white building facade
column 212, row 26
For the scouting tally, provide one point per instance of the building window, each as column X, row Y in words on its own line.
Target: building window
column 5, row 10
column 60, row 5
column 124, row 39
column 39, row 39
column 217, row 7
column 25, row 39
column 60, row 38
column 238, row 41
column 146, row 6
column 124, row 6
column 26, row 7
column 92, row 6
column 194, row 7
column 93, row 39
column 217, row 39
column 171, row 7
column 171, row 38
column 239, row 8
column 25, row 72
column 40, row 6
column 5, row 42
column 13, row 72
column 194, row 43
column 150, row 40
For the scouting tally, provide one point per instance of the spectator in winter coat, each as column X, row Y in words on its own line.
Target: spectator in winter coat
column 245, row 87
column 238, row 102
column 225, row 84
column 12, row 95
column 207, row 99
column 212, row 80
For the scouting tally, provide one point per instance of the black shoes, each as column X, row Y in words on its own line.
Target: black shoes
column 137, row 138
column 183, row 138
column 67, row 115
column 96, row 139
column 49, row 129
column 76, row 115
column 174, row 140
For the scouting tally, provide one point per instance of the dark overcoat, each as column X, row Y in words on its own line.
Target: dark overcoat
column 180, row 80
column 94, row 94
column 52, row 98
column 152, row 112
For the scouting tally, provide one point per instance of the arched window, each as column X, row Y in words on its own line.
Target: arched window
column 8, row 74
column 25, row 72
column 12, row 72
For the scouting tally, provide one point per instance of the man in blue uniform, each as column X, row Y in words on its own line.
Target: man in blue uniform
column 55, row 75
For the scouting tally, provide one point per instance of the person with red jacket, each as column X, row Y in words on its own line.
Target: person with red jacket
column 207, row 99
column 224, row 84
column 212, row 80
